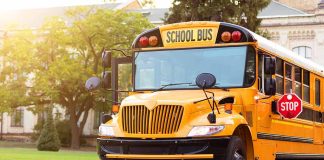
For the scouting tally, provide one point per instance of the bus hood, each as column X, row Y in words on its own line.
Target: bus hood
column 179, row 97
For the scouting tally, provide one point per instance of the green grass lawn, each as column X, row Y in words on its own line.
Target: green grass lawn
column 33, row 154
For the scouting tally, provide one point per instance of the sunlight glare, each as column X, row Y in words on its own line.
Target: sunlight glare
column 6, row 5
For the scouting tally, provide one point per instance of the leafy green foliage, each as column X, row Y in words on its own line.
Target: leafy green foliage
column 50, row 66
column 37, row 130
column 64, row 131
column 49, row 139
column 15, row 69
column 241, row 12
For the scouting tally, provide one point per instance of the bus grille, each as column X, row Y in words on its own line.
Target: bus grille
column 163, row 119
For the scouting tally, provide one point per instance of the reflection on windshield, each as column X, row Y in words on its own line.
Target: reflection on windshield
column 228, row 64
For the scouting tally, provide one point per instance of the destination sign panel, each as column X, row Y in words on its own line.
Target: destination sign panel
column 186, row 37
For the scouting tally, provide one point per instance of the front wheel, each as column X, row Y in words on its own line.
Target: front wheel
column 236, row 149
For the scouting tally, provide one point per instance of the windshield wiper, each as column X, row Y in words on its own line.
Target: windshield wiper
column 217, row 87
column 222, row 88
column 170, row 84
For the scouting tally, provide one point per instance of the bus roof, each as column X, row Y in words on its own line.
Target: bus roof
column 288, row 55
column 247, row 36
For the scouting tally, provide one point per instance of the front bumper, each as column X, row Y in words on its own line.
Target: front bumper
column 186, row 148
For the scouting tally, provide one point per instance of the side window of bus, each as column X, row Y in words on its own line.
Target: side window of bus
column 250, row 72
column 279, row 76
column 306, row 90
column 260, row 71
column 288, row 78
column 317, row 92
column 298, row 81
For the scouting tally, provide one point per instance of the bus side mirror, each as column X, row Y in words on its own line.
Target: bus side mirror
column 92, row 83
column 106, row 59
column 106, row 80
column 270, row 65
column 205, row 80
column 105, row 118
column 270, row 86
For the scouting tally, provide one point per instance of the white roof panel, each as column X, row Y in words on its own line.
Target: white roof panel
column 289, row 55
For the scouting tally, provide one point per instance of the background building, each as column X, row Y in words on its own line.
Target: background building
column 301, row 31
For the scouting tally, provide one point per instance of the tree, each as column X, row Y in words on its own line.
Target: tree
column 241, row 12
column 66, row 55
column 49, row 139
column 15, row 68
column 49, row 66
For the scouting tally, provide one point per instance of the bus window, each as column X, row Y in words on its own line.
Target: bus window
column 250, row 67
column 260, row 72
column 298, row 81
column 317, row 92
column 288, row 78
column 279, row 76
column 306, row 91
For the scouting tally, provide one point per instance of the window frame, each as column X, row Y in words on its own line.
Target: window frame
column 197, row 88
column 317, row 97
column 293, row 79
column 13, row 122
column 306, row 85
column 307, row 55
column 277, row 75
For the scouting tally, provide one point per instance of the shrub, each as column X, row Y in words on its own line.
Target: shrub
column 64, row 131
column 49, row 139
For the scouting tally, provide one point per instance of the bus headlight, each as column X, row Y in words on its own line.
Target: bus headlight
column 106, row 131
column 204, row 130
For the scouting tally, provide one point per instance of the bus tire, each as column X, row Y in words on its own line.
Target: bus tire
column 236, row 149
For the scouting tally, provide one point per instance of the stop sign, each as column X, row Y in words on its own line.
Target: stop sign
column 289, row 105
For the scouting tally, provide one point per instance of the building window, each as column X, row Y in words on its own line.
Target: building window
column 58, row 115
column 17, row 118
column 303, row 51
column 317, row 92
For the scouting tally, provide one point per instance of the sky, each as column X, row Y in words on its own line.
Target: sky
column 6, row 5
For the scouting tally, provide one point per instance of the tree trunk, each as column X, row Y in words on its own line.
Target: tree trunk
column 75, row 132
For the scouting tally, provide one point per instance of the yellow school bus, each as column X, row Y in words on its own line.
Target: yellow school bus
column 209, row 90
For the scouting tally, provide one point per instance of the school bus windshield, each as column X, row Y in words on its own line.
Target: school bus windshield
column 232, row 67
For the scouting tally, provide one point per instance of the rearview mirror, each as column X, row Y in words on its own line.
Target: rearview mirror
column 270, row 86
column 269, row 65
column 105, row 118
column 106, row 80
column 106, row 59
column 205, row 80
column 92, row 83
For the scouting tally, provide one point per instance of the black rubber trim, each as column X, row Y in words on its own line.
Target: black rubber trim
column 287, row 156
column 216, row 146
column 278, row 137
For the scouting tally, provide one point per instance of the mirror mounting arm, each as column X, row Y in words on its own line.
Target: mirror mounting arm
column 119, row 50
column 214, row 102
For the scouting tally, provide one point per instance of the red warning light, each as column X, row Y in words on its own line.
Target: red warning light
column 144, row 41
column 236, row 36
